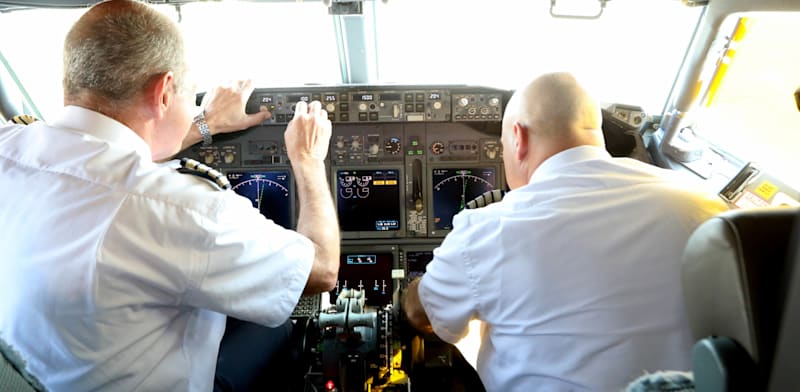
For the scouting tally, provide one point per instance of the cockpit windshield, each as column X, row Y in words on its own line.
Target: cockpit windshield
column 628, row 55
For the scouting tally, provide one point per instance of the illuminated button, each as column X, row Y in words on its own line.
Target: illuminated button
column 332, row 116
column 344, row 97
column 373, row 116
column 409, row 97
column 344, row 106
column 409, row 107
column 362, row 116
column 316, row 97
column 344, row 116
column 280, row 118
column 420, row 107
column 420, row 152
column 419, row 96
column 415, row 142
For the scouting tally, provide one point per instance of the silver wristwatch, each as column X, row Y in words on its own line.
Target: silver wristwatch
column 202, row 126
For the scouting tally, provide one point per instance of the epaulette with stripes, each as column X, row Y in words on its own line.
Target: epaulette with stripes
column 23, row 119
column 486, row 198
column 193, row 167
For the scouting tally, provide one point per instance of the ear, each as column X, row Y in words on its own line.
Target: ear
column 521, row 141
column 161, row 93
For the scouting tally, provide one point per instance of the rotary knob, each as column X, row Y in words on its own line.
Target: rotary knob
column 339, row 143
column 437, row 148
column 463, row 101
column 494, row 101
column 437, row 105
column 374, row 149
column 491, row 152
column 229, row 157
column 330, row 107
column 355, row 144
column 208, row 158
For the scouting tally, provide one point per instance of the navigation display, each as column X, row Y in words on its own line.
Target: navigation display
column 269, row 191
column 368, row 271
column 368, row 200
column 454, row 187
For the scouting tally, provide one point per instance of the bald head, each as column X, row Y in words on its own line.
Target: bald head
column 550, row 114
column 115, row 49
column 554, row 105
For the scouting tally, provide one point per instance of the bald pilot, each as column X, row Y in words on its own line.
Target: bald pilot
column 575, row 273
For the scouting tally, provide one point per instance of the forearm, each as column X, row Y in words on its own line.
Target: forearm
column 317, row 221
column 412, row 306
column 192, row 137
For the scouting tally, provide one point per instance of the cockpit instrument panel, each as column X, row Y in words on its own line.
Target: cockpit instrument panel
column 402, row 162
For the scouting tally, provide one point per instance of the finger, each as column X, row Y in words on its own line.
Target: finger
column 301, row 107
column 315, row 107
column 266, row 113
column 258, row 118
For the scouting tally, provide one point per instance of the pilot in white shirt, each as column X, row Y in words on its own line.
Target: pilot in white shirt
column 575, row 274
column 118, row 273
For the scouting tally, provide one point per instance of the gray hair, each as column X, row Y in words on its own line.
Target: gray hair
column 116, row 48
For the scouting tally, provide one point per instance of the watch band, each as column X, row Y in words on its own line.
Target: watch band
column 202, row 126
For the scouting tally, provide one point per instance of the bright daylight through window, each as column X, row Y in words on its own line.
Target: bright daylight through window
column 752, row 114
column 625, row 58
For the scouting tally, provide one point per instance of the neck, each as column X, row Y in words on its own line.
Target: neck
column 130, row 115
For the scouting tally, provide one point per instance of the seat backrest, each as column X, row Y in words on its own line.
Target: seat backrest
column 736, row 274
column 13, row 377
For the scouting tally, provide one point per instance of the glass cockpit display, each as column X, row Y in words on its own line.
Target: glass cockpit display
column 370, row 272
column 368, row 200
column 416, row 262
column 454, row 187
column 269, row 191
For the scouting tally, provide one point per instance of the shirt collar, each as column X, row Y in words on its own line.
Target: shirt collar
column 102, row 127
column 554, row 164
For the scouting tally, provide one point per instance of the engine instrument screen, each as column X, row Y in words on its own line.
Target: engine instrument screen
column 368, row 200
column 368, row 271
column 269, row 191
column 454, row 187
column 416, row 261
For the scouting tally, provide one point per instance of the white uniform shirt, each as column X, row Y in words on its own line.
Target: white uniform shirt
column 116, row 272
column 576, row 276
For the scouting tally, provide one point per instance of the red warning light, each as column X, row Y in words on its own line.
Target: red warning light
column 329, row 385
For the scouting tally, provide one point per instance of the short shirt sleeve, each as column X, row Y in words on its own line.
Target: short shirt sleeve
column 246, row 266
column 448, row 290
